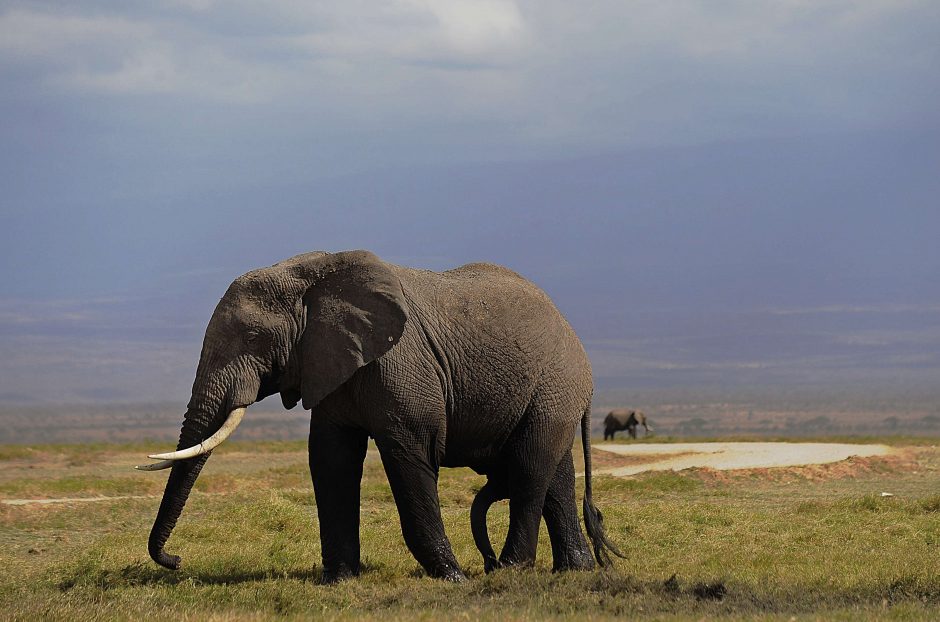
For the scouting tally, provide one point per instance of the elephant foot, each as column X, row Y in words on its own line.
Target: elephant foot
column 508, row 562
column 448, row 572
column 580, row 560
column 490, row 564
column 340, row 573
column 455, row 576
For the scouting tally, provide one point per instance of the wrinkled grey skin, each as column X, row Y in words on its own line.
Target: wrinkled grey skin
column 623, row 419
column 471, row 367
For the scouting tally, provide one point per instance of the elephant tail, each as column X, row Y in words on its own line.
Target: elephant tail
column 593, row 519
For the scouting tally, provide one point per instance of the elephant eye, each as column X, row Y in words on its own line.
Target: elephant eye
column 251, row 335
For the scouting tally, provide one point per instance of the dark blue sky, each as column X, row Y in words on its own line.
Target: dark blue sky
column 716, row 194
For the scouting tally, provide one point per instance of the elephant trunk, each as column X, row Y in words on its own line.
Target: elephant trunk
column 478, row 509
column 178, row 486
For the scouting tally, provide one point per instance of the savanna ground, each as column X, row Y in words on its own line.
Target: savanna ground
column 805, row 543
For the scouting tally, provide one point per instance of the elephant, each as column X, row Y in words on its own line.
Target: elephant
column 623, row 419
column 471, row 367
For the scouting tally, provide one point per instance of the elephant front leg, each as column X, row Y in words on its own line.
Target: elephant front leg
column 336, row 457
column 414, row 486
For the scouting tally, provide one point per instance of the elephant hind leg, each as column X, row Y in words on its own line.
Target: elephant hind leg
column 569, row 548
column 489, row 494
column 531, row 462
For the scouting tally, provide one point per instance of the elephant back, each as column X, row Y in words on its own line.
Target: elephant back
column 621, row 416
column 484, row 305
column 500, row 342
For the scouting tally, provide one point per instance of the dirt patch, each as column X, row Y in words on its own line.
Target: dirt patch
column 733, row 455
column 604, row 460
column 854, row 466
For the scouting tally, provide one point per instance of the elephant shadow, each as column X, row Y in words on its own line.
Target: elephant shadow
column 140, row 573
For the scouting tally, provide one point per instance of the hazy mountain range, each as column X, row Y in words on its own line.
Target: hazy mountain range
column 798, row 261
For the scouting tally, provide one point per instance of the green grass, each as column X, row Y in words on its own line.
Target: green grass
column 696, row 547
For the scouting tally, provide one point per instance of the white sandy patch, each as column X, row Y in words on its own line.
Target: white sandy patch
column 728, row 456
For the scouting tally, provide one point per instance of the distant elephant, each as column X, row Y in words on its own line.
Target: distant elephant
column 470, row 367
column 623, row 419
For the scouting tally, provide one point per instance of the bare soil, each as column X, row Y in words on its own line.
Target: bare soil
column 730, row 456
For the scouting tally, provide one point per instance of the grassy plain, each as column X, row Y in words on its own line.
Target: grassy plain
column 805, row 543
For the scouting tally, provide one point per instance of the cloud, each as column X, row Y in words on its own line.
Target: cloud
column 29, row 34
column 536, row 72
column 690, row 71
column 440, row 34
column 118, row 55
column 202, row 73
column 296, row 48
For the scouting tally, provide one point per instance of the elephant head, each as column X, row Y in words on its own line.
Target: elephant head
column 300, row 328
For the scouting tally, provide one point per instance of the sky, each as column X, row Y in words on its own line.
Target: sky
column 720, row 194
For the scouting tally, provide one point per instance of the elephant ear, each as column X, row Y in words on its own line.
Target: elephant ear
column 356, row 312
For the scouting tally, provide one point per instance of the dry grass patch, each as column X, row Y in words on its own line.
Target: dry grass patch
column 697, row 547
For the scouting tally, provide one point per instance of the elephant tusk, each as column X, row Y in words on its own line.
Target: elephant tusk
column 231, row 422
column 156, row 466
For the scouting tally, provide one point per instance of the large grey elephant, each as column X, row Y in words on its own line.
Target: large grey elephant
column 623, row 419
column 470, row 367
